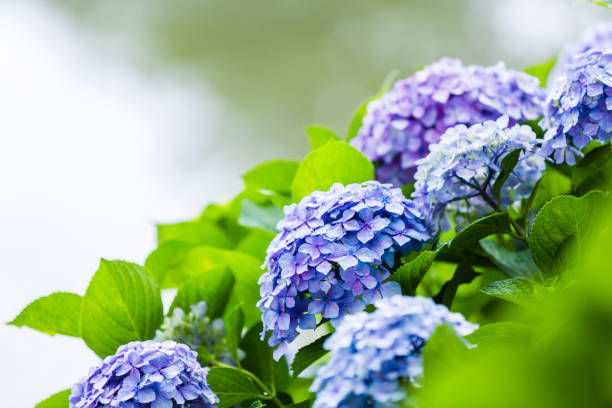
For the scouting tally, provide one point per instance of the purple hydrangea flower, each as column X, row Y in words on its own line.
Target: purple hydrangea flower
column 456, row 178
column 371, row 354
column 333, row 254
column 399, row 127
column 579, row 106
column 597, row 37
column 146, row 374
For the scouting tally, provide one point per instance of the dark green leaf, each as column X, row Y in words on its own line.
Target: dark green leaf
column 122, row 304
column 410, row 274
column 507, row 165
column 334, row 162
column 58, row 313
column 463, row 274
column 542, row 70
column 501, row 332
column 232, row 386
column 303, row 404
column 58, row 400
column 213, row 286
column 515, row 290
column 518, row 264
column 561, row 228
column 496, row 223
column 593, row 170
column 234, row 325
column 260, row 216
column 259, row 360
column 257, row 404
column 275, row 175
column 441, row 351
column 308, row 355
column 319, row 135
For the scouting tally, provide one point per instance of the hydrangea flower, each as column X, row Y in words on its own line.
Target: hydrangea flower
column 332, row 255
column 371, row 354
column 597, row 37
column 146, row 374
column 456, row 178
column 579, row 106
column 399, row 127
column 196, row 329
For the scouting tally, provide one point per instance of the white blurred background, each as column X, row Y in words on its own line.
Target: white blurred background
column 114, row 117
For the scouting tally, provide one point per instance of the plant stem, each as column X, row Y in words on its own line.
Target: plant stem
column 520, row 232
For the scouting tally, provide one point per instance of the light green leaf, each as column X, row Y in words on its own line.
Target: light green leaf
column 198, row 231
column 303, row 404
column 518, row 264
column 334, row 162
column 273, row 175
column 500, row 332
column 552, row 184
column 234, row 325
column 507, row 166
column 319, row 135
column 410, row 274
column 496, row 223
column 255, row 243
column 260, row 216
column 58, row 313
column 542, row 70
column 58, row 400
column 442, row 351
column 162, row 263
column 515, row 290
column 463, row 274
column 232, row 386
column 213, row 286
column 308, row 354
column 561, row 228
column 122, row 304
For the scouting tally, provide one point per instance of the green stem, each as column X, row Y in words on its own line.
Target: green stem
column 520, row 232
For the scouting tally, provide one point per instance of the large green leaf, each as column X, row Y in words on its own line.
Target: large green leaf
column 260, row 216
column 542, row 70
column 273, row 175
column 561, row 228
column 232, row 386
column 259, row 360
column 198, row 231
column 213, row 286
column 58, row 313
column 234, row 324
column 334, row 162
column 122, row 304
column 442, row 351
column 319, row 135
column 552, row 184
column 593, row 170
column 308, row 354
column 463, row 274
column 255, row 243
column 410, row 274
column 515, row 290
column 162, row 264
column 58, row 400
column 500, row 332
column 518, row 264
column 496, row 223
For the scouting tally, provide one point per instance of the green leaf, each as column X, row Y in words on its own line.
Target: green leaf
column 122, row 304
column 515, row 290
column 213, row 286
column 518, row 264
column 257, row 404
column 593, row 170
column 233, row 335
column 552, row 184
column 410, row 274
column 199, row 232
column 303, row 404
column 58, row 313
column 542, row 70
column 246, row 270
column 260, row 216
column 308, row 354
column 500, row 332
column 334, row 162
column 58, row 400
column 442, row 351
column 163, row 262
column 319, row 135
column 561, row 228
column 259, row 360
column 275, row 175
column 507, row 166
column 255, row 243
column 232, row 386
column 463, row 274
column 496, row 223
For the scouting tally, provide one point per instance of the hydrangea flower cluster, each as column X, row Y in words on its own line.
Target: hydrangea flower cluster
column 371, row 354
column 146, row 374
column 399, row 127
column 597, row 37
column 196, row 329
column 332, row 256
column 456, row 178
column 579, row 106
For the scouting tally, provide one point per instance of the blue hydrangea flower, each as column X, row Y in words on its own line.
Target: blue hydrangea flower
column 371, row 354
column 196, row 329
column 579, row 106
column 597, row 37
column 456, row 178
column 333, row 254
column 146, row 374
column 399, row 127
